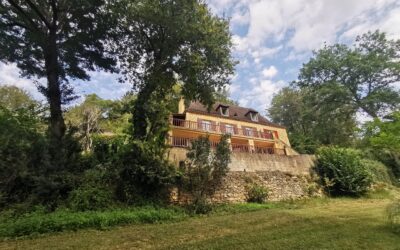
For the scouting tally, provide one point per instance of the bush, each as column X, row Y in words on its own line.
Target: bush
column 257, row 193
column 204, row 171
column 341, row 171
column 379, row 172
column 66, row 220
column 393, row 215
column 89, row 198
column 145, row 174
column 200, row 206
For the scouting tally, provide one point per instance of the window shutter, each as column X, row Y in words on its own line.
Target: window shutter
column 276, row 135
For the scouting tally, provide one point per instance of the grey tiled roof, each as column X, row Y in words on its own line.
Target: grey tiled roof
column 235, row 113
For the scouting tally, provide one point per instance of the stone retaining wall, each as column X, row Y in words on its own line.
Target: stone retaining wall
column 286, row 177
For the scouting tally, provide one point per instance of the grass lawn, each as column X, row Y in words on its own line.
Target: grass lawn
column 319, row 224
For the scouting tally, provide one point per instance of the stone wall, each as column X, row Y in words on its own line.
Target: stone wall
column 286, row 177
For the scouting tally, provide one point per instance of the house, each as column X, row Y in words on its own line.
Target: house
column 250, row 131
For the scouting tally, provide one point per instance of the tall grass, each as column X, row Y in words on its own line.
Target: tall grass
column 38, row 223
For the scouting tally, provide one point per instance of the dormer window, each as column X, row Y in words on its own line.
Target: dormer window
column 254, row 116
column 224, row 110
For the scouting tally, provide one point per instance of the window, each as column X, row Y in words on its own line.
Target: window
column 248, row 131
column 224, row 111
column 229, row 129
column 206, row 125
column 254, row 117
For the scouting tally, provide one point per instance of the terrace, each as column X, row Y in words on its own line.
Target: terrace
column 217, row 128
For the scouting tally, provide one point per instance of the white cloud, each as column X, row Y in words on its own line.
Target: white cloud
column 307, row 24
column 9, row 75
column 270, row 72
column 102, row 83
column 260, row 94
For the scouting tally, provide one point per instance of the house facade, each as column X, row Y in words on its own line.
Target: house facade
column 250, row 131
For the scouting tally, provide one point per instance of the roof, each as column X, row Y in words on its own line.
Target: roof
column 235, row 113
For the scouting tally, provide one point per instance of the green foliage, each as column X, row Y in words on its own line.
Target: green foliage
column 96, row 190
column 257, row 193
column 22, row 149
column 145, row 173
column 14, row 98
column 393, row 215
column 363, row 75
column 64, row 220
column 314, row 117
column 342, row 172
column 108, row 148
column 384, row 134
column 379, row 172
column 174, row 36
column 222, row 96
column 204, row 170
column 90, row 198
column 312, row 188
column 96, row 116
column 58, row 40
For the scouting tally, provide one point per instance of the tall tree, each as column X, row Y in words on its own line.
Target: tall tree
column 313, row 117
column 364, row 73
column 58, row 40
column 14, row 98
column 173, row 41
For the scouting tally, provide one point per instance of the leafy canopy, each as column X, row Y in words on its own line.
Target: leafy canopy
column 363, row 74
column 168, row 42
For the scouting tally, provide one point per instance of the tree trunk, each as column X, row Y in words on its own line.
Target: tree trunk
column 57, row 125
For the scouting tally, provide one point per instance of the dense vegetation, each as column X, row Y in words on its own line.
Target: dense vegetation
column 92, row 164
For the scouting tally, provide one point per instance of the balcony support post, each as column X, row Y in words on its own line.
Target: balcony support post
column 251, row 146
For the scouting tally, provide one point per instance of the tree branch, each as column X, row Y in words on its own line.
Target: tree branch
column 21, row 25
column 55, row 12
column 41, row 16
column 20, row 10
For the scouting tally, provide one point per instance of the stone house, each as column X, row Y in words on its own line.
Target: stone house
column 261, row 150
column 250, row 131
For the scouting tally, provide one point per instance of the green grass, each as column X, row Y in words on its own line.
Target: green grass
column 64, row 220
column 343, row 223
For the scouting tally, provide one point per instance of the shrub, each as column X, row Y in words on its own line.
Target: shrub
column 393, row 215
column 312, row 188
column 145, row 174
column 379, row 172
column 204, row 171
column 89, row 198
column 341, row 171
column 257, row 193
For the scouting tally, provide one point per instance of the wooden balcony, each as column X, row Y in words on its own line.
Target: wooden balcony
column 220, row 129
column 187, row 142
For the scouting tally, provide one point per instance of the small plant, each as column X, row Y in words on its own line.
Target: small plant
column 393, row 215
column 312, row 188
column 257, row 193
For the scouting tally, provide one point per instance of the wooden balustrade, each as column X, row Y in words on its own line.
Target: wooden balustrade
column 240, row 148
column 216, row 128
column 244, row 148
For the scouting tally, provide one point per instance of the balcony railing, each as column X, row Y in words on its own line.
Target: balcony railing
column 221, row 129
column 187, row 142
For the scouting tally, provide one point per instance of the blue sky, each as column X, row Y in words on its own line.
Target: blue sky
column 272, row 39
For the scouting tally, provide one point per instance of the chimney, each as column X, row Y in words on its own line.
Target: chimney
column 181, row 106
